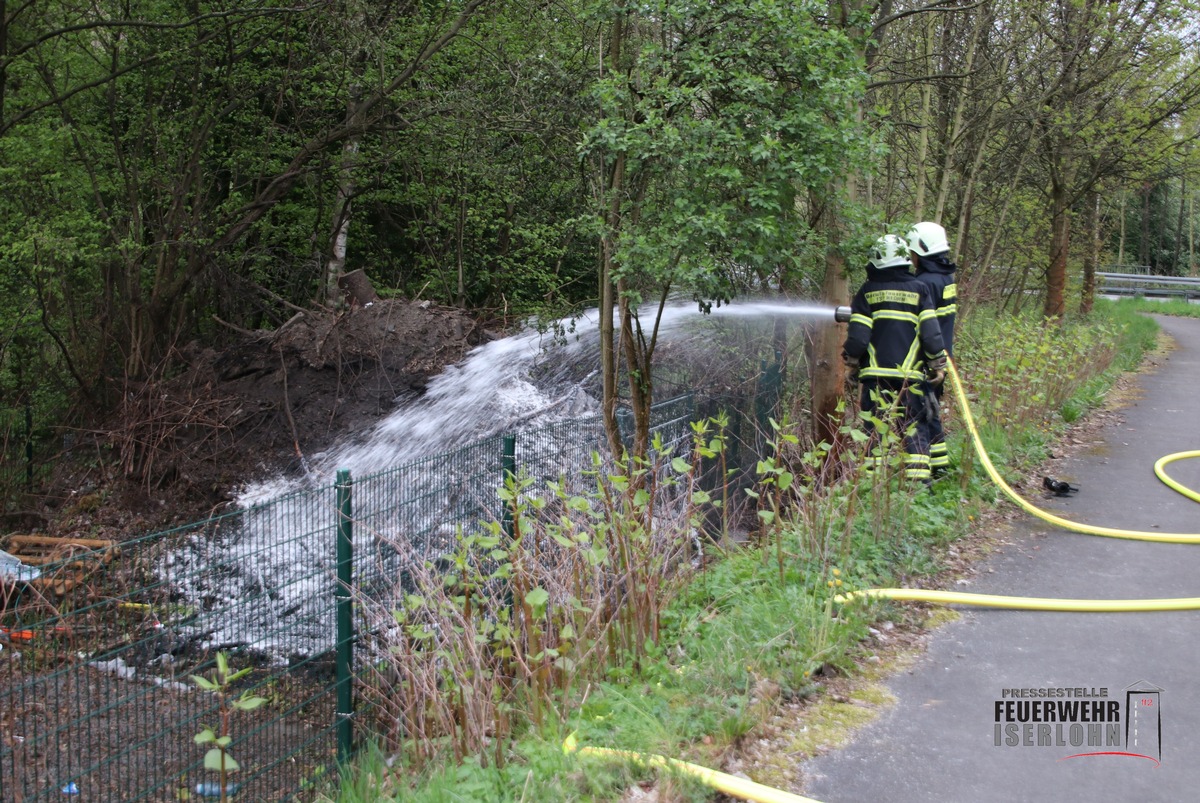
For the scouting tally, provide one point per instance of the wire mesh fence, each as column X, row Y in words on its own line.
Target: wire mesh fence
column 25, row 455
column 97, row 694
column 99, row 641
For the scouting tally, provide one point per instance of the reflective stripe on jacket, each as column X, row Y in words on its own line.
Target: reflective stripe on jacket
column 893, row 327
column 938, row 273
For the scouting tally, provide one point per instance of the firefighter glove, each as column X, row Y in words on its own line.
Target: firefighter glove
column 935, row 370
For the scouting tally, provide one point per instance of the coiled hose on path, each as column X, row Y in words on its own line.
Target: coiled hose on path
column 749, row 790
column 1040, row 603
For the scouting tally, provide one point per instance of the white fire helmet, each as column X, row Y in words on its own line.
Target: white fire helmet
column 927, row 239
column 889, row 251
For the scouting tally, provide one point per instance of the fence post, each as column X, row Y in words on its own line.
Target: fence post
column 761, row 412
column 626, row 425
column 777, row 381
column 345, row 618
column 508, row 470
column 766, row 400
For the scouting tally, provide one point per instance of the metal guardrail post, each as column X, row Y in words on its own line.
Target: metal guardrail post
column 508, row 470
column 345, row 618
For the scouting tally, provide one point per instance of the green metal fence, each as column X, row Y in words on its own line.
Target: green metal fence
column 97, row 653
column 96, row 698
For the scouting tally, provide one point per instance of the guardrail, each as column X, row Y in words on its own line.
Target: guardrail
column 1133, row 284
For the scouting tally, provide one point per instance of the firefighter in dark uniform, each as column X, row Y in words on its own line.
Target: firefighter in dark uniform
column 893, row 341
column 930, row 253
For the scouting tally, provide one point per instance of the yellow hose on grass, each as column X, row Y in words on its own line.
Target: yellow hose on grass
column 741, row 788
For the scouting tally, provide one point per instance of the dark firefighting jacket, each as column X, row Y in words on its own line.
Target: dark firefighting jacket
column 893, row 326
column 937, row 271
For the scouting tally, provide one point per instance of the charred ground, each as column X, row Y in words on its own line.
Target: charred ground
column 178, row 447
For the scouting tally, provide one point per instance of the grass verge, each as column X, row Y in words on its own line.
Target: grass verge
column 754, row 667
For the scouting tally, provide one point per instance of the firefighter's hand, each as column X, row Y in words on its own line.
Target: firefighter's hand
column 935, row 371
column 851, row 364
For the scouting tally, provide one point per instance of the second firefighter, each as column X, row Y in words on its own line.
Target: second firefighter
column 893, row 345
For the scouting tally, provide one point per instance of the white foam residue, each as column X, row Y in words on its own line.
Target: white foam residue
column 274, row 564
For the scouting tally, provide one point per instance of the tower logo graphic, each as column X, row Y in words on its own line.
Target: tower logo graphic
column 1143, row 720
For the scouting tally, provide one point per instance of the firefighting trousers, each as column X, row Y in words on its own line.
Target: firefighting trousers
column 931, row 422
column 896, row 406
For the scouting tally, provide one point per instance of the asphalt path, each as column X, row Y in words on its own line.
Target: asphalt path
column 939, row 742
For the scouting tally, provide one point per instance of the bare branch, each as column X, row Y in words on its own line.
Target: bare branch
column 943, row 5
column 917, row 79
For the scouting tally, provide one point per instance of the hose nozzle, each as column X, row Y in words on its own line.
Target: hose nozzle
column 842, row 314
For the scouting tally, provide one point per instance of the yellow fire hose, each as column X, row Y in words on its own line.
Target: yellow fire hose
column 729, row 784
column 1036, row 603
column 1170, row 483
column 749, row 790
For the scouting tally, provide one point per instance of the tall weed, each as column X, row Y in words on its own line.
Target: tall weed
column 491, row 639
column 1021, row 370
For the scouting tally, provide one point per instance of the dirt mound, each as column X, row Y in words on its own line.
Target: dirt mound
column 258, row 407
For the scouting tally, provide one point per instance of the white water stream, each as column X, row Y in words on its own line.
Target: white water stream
column 492, row 391
column 278, row 560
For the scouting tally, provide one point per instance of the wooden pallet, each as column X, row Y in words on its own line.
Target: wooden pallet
column 73, row 559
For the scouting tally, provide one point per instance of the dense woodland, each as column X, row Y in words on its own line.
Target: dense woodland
column 175, row 172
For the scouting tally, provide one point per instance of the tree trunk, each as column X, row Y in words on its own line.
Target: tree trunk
column 1092, row 257
column 608, row 355
column 336, row 264
column 956, row 127
column 1121, row 240
column 1177, row 268
column 639, row 355
column 923, row 141
column 608, row 348
column 460, row 227
column 1060, row 240
column 990, row 249
column 612, row 183
column 826, row 373
column 1192, row 234
column 503, row 247
column 959, row 253
column 1144, row 245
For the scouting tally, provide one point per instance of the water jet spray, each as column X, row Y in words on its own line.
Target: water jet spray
column 791, row 309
